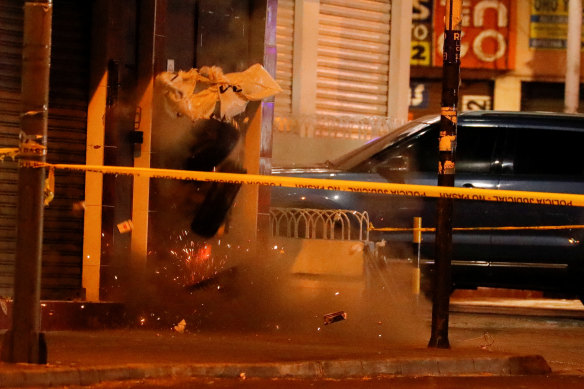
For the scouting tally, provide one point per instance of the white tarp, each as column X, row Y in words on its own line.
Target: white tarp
column 185, row 92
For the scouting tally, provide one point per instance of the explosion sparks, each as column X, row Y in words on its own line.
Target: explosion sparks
column 192, row 259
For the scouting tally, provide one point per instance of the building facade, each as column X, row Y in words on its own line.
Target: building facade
column 338, row 62
column 103, row 110
column 513, row 55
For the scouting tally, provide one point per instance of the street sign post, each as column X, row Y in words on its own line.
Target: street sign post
column 446, row 168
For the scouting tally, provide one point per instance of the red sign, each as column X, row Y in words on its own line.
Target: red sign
column 488, row 34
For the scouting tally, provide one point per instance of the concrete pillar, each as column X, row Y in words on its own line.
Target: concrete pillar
column 252, row 206
column 399, row 60
column 90, row 278
column 151, row 44
column 573, row 57
column 306, row 15
column 507, row 94
column 93, row 193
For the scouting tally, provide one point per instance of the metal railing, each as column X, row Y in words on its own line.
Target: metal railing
column 360, row 127
column 332, row 224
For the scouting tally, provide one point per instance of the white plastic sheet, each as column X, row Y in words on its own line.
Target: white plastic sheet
column 185, row 92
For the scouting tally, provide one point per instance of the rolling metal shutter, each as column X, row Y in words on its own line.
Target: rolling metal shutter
column 285, row 50
column 353, row 57
column 11, row 23
column 69, row 80
column 68, row 101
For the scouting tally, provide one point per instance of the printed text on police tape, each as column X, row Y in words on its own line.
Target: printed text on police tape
column 495, row 195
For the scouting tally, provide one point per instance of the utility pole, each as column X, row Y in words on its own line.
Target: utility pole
column 24, row 343
column 573, row 55
column 446, row 168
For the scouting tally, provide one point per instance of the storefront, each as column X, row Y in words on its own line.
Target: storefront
column 69, row 80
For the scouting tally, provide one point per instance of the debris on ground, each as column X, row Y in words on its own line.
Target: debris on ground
column 180, row 327
column 334, row 317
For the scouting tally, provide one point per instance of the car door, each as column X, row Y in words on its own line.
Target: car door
column 415, row 161
column 541, row 160
column 477, row 167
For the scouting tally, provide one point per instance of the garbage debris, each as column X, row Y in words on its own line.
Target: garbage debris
column 125, row 226
column 222, row 277
column 233, row 91
column 211, row 100
column 334, row 317
column 180, row 327
column 78, row 206
column 489, row 340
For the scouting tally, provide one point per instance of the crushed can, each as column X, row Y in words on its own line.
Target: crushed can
column 334, row 317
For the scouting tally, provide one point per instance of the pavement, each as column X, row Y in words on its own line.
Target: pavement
column 90, row 343
column 86, row 357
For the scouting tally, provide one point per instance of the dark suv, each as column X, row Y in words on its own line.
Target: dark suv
column 540, row 152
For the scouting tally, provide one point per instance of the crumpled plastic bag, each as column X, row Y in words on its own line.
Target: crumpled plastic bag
column 233, row 91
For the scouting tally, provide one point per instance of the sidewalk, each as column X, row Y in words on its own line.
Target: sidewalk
column 542, row 307
column 90, row 343
column 88, row 357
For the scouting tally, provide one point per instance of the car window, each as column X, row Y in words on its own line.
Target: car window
column 421, row 151
column 356, row 159
column 474, row 152
column 548, row 152
column 475, row 149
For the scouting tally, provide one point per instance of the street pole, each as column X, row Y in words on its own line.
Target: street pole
column 573, row 55
column 24, row 343
column 446, row 168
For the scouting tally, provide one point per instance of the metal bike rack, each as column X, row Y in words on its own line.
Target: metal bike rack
column 330, row 224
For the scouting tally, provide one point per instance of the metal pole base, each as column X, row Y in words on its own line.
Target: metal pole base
column 439, row 342
column 34, row 352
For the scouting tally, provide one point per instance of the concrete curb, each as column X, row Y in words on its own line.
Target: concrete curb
column 62, row 376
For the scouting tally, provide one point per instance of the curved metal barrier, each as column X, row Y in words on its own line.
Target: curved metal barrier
column 330, row 224
column 364, row 127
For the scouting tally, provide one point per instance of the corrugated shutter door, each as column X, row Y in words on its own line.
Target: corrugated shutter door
column 11, row 23
column 353, row 57
column 68, row 100
column 68, row 96
column 285, row 49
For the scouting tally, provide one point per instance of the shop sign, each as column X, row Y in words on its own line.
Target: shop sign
column 488, row 34
column 476, row 102
column 422, row 18
column 548, row 27
column 419, row 96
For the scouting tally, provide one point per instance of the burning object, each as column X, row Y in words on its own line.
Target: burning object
column 212, row 99
column 192, row 261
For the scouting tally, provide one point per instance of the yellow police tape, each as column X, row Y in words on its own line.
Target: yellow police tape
column 501, row 196
column 505, row 228
column 9, row 152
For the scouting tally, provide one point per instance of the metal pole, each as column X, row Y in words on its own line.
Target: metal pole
column 446, row 168
column 416, row 246
column 24, row 343
column 573, row 53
